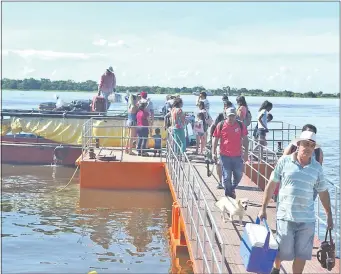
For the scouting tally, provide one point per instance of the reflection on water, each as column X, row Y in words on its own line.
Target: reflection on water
column 76, row 231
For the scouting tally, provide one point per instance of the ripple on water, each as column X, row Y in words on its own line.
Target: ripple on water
column 44, row 231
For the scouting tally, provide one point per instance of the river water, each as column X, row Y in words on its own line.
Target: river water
column 76, row 231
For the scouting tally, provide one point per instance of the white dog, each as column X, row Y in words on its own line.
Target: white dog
column 233, row 207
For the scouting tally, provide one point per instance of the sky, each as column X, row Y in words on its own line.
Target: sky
column 276, row 45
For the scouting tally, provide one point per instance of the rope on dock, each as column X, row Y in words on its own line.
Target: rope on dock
column 73, row 175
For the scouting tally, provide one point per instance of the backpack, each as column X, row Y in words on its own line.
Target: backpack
column 248, row 118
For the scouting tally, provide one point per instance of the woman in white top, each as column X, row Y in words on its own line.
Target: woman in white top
column 262, row 123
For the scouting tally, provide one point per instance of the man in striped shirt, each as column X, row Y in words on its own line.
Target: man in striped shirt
column 297, row 175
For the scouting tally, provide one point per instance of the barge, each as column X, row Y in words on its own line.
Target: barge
column 212, row 246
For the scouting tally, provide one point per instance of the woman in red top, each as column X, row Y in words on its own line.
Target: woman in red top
column 142, row 129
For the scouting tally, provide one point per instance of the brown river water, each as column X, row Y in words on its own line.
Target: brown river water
column 77, row 231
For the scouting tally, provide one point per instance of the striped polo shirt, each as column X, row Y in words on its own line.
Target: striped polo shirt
column 297, row 184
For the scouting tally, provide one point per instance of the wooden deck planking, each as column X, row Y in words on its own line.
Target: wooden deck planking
column 232, row 232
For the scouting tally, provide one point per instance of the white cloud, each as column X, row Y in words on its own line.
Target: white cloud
column 119, row 43
column 149, row 50
column 268, row 56
column 183, row 73
column 100, row 42
column 27, row 71
column 52, row 55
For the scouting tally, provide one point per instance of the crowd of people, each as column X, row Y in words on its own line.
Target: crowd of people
column 297, row 178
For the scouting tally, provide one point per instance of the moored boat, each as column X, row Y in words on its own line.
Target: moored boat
column 56, row 136
column 35, row 150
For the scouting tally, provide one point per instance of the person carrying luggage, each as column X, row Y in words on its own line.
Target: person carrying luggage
column 107, row 85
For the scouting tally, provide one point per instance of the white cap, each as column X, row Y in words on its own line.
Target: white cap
column 306, row 136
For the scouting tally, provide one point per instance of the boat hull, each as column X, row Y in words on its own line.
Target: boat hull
column 37, row 151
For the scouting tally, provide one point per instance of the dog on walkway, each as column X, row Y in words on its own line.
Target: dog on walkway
column 233, row 207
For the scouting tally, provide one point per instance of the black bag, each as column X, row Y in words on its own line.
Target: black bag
column 84, row 105
column 326, row 253
column 47, row 106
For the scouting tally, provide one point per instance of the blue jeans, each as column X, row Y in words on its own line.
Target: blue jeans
column 106, row 95
column 142, row 134
column 231, row 166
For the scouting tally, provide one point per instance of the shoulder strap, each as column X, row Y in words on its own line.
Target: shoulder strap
column 293, row 148
column 317, row 154
column 240, row 125
column 221, row 124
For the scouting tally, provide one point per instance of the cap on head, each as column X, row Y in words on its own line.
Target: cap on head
column 306, row 136
column 230, row 112
column 143, row 94
column 110, row 69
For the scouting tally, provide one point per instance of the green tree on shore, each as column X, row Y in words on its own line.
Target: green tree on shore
column 91, row 86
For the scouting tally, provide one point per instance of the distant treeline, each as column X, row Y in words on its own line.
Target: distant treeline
column 89, row 85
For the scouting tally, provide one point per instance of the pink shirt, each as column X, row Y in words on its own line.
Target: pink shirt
column 142, row 118
column 230, row 138
column 242, row 114
column 107, row 82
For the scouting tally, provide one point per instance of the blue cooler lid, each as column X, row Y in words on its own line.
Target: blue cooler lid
column 257, row 234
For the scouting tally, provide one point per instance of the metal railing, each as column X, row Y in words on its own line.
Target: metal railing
column 268, row 158
column 95, row 140
column 191, row 198
column 279, row 132
column 263, row 156
column 198, row 214
column 321, row 216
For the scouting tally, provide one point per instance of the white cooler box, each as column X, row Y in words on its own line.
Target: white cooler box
column 258, row 248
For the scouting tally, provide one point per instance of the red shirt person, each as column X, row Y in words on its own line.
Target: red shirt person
column 142, row 129
column 231, row 133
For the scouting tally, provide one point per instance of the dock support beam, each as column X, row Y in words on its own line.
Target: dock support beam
column 178, row 244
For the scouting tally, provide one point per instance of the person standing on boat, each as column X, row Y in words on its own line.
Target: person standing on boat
column 297, row 175
column 149, row 108
column 142, row 117
column 203, row 98
column 131, row 123
column 231, row 133
column 107, row 84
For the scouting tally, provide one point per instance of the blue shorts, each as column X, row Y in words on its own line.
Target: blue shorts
column 295, row 240
column 261, row 133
